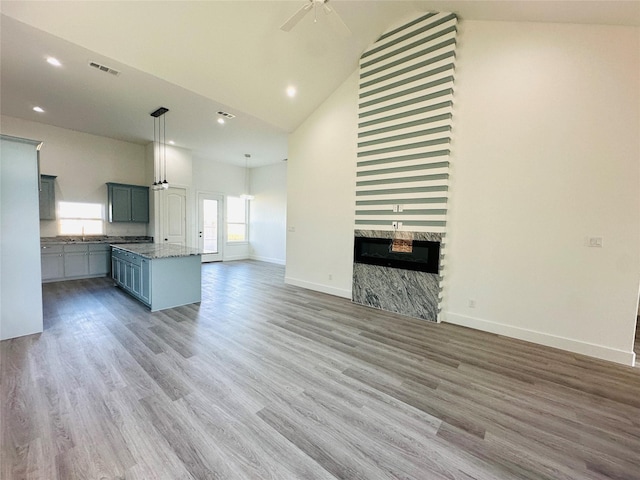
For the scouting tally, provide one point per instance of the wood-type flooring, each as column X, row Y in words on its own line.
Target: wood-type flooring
column 268, row 381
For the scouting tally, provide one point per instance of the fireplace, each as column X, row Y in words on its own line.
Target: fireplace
column 398, row 271
column 406, row 254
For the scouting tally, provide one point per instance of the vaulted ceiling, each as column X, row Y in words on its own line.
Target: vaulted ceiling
column 199, row 57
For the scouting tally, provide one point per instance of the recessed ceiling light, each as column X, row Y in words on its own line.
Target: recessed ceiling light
column 221, row 121
column 38, row 109
column 291, row 91
column 171, row 142
column 54, row 61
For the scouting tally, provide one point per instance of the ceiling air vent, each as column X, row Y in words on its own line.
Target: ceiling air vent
column 104, row 68
column 226, row 115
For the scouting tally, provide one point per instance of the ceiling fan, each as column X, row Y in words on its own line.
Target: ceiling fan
column 314, row 5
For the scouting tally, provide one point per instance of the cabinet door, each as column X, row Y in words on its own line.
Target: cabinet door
column 47, row 198
column 136, row 280
column 76, row 264
column 98, row 263
column 52, row 266
column 119, row 203
column 145, row 289
column 128, row 275
column 140, row 204
column 115, row 268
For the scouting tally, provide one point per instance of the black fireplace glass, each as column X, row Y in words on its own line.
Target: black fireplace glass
column 423, row 257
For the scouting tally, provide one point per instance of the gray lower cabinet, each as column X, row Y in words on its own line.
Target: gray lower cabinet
column 72, row 261
column 159, row 283
column 52, row 262
column 131, row 272
column 99, row 259
column 76, row 261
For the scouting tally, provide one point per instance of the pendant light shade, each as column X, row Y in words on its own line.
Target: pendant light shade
column 160, row 149
column 246, row 195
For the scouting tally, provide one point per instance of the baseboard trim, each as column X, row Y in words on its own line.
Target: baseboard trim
column 259, row 258
column 318, row 287
column 232, row 258
column 568, row 344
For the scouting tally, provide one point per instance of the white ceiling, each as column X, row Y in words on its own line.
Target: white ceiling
column 198, row 57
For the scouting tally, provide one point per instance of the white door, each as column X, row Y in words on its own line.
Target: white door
column 210, row 226
column 175, row 216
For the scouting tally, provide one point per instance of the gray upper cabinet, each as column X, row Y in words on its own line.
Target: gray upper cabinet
column 128, row 203
column 47, row 197
column 140, row 204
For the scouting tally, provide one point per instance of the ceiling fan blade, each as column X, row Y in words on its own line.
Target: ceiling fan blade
column 296, row 17
column 336, row 19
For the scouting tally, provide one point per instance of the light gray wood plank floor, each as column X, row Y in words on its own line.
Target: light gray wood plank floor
column 268, row 381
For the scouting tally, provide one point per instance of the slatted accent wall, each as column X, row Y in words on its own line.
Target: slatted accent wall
column 404, row 129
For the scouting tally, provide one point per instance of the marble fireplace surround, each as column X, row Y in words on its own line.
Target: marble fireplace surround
column 407, row 292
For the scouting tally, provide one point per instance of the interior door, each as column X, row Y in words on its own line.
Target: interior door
column 175, row 216
column 210, row 227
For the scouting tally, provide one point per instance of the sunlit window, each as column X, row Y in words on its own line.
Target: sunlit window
column 80, row 218
column 236, row 219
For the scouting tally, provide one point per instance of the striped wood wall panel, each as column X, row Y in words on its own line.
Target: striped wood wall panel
column 404, row 128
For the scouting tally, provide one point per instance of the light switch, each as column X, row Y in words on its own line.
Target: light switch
column 595, row 242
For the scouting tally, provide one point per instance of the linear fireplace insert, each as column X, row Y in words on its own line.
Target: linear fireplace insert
column 419, row 255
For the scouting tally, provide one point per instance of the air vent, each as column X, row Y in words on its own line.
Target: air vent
column 104, row 68
column 226, row 115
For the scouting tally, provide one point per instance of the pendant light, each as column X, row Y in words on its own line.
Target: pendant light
column 160, row 149
column 247, row 195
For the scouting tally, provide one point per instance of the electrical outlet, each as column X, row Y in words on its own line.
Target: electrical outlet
column 394, row 225
column 472, row 303
column 400, row 208
column 395, row 208
column 399, row 224
column 330, row 276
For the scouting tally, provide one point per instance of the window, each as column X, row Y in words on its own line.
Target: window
column 236, row 219
column 81, row 218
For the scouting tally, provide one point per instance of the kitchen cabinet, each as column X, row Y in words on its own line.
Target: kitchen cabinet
column 76, row 261
column 73, row 261
column 99, row 259
column 160, row 276
column 52, row 262
column 47, row 197
column 131, row 272
column 128, row 203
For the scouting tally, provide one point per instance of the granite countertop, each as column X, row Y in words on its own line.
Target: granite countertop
column 94, row 239
column 159, row 250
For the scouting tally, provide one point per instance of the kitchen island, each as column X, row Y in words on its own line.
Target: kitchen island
column 160, row 276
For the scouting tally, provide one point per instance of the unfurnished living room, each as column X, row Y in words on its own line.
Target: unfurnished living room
column 312, row 239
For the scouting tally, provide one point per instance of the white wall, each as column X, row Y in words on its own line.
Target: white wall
column 321, row 195
column 83, row 163
column 176, row 166
column 546, row 154
column 268, row 213
column 221, row 178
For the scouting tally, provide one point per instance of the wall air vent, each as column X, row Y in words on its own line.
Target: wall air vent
column 104, row 68
column 226, row 115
